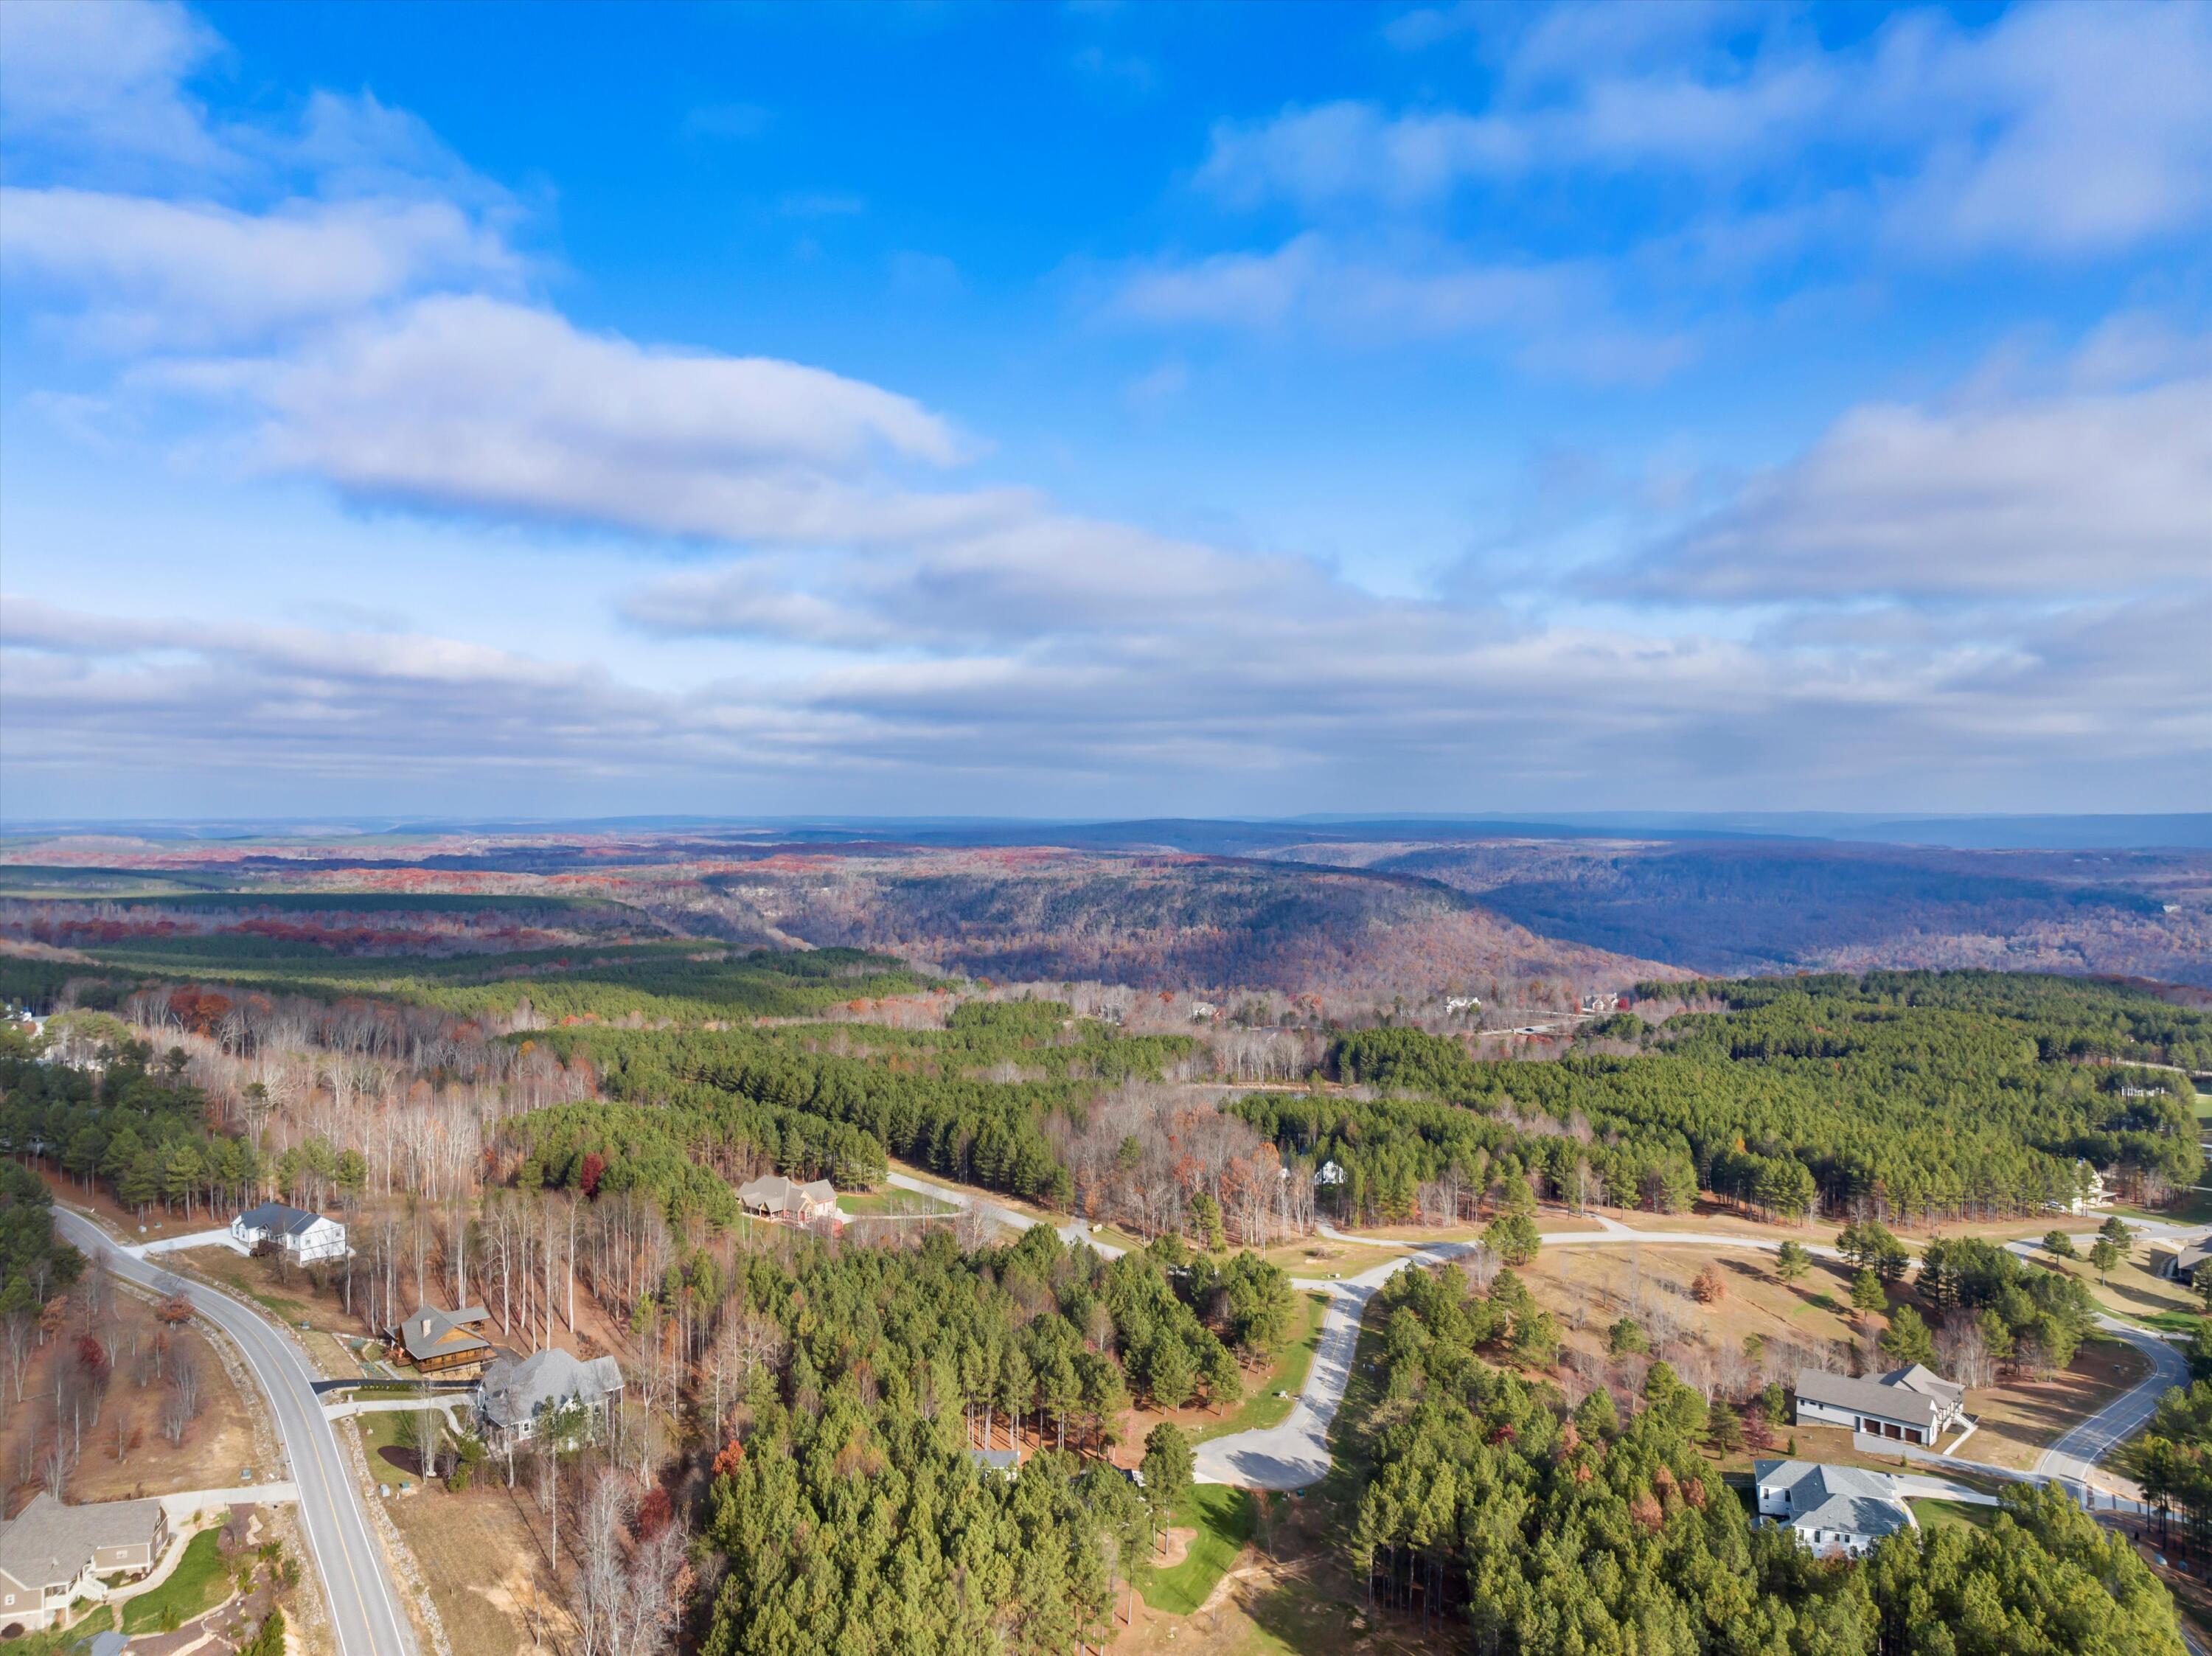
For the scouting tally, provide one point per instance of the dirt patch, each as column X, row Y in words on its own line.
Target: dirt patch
column 2021, row 1419
column 483, row 1555
column 1589, row 1290
column 111, row 1427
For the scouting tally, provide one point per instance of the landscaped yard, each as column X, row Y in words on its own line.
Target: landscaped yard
column 869, row 1205
column 1952, row 1514
column 388, row 1436
column 1223, row 1518
column 200, row 1582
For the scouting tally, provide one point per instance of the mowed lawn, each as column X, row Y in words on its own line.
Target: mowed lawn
column 1952, row 1514
column 199, row 1583
column 1223, row 1519
column 870, row 1204
column 1293, row 1362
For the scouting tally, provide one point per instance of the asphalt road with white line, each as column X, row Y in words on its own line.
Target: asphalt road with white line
column 366, row 1618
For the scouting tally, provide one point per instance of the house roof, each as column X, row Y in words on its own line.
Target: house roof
column 1845, row 1498
column 1916, row 1377
column 516, row 1388
column 1854, row 1514
column 1903, row 1403
column 429, row 1331
column 50, row 1542
column 1002, row 1461
column 277, row 1219
column 777, row 1194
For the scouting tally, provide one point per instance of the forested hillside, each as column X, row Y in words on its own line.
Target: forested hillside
column 1159, row 922
column 1921, row 1095
column 1755, row 905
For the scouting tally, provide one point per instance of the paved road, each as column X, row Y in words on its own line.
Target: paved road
column 2071, row 1457
column 365, row 1613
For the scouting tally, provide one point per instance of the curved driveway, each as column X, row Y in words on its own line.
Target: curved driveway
column 365, row 1613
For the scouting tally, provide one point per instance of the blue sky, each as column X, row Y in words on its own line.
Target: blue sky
column 1103, row 409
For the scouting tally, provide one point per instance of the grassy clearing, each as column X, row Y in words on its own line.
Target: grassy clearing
column 856, row 1204
column 1952, row 1516
column 1293, row 1360
column 198, row 1585
column 1223, row 1519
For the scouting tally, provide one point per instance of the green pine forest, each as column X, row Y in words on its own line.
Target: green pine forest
column 845, row 1512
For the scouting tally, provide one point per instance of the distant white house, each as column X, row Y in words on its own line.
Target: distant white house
column 1912, row 1405
column 304, row 1237
column 2095, row 1192
column 1836, row 1511
column 1330, row 1174
column 1202, row 1009
column 1461, row 1004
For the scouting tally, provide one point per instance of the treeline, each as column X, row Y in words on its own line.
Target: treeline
column 2070, row 1018
column 34, row 1263
column 134, row 1125
column 985, row 1132
column 685, row 1150
column 1487, row 1505
column 1896, row 1094
column 682, row 981
column 1042, row 1035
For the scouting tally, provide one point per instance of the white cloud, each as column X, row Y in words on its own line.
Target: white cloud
column 480, row 405
column 105, row 80
column 152, row 273
column 2059, row 130
column 2053, row 130
column 1037, row 574
column 2077, row 492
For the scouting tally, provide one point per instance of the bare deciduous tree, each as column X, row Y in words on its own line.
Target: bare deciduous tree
column 184, row 1403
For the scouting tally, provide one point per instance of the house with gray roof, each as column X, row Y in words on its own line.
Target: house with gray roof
column 518, row 1393
column 1913, row 1404
column 52, row 1554
column 1839, row 1512
column 305, row 1237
